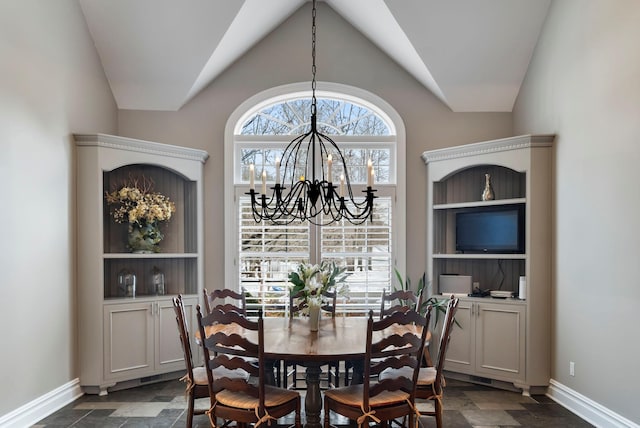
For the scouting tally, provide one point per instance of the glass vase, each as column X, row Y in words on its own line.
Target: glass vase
column 157, row 282
column 314, row 317
column 126, row 283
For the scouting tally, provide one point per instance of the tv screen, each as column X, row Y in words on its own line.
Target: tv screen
column 490, row 230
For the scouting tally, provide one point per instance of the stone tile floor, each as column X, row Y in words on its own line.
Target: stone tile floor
column 163, row 405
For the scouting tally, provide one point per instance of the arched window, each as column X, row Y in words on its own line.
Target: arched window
column 261, row 255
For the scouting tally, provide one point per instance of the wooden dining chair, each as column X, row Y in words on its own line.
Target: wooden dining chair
column 430, row 383
column 232, row 342
column 397, row 341
column 290, row 368
column 399, row 300
column 218, row 299
column 195, row 377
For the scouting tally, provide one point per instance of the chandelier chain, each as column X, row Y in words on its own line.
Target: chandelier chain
column 313, row 59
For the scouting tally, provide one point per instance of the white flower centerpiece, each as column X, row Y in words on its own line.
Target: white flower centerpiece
column 313, row 281
column 143, row 209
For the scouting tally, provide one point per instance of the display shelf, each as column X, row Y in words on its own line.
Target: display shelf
column 180, row 275
column 483, row 256
column 123, row 336
column 150, row 256
column 466, row 185
column 475, row 204
column 180, row 232
column 501, row 339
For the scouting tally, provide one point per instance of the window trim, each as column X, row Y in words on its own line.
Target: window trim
column 301, row 89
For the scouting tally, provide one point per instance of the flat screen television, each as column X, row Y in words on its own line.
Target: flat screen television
column 491, row 230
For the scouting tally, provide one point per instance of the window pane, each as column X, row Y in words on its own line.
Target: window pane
column 263, row 157
column 365, row 250
column 334, row 117
column 267, row 254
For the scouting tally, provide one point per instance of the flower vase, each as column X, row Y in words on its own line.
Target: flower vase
column 487, row 193
column 144, row 238
column 314, row 317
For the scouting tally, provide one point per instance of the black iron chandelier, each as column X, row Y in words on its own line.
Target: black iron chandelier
column 312, row 197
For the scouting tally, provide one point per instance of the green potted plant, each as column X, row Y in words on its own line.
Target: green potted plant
column 424, row 286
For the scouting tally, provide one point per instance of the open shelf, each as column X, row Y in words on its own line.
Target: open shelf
column 474, row 204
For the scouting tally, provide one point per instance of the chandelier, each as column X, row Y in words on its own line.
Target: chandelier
column 312, row 195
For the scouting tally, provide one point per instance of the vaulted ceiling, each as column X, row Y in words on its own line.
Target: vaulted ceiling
column 472, row 54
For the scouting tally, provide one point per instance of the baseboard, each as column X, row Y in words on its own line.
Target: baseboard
column 586, row 408
column 43, row 406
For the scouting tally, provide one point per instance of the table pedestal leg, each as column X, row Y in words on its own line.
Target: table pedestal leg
column 358, row 370
column 270, row 377
column 313, row 401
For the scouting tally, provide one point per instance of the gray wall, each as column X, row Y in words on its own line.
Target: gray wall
column 343, row 56
column 51, row 85
column 584, row 85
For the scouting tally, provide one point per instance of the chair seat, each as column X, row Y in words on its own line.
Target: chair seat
column 352, row 396
column 426, row 377
column 273, row 397
column 200, row 376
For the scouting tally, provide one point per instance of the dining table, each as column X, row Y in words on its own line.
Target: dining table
column 342, row 338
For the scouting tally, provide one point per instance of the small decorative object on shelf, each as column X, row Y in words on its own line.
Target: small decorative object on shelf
column 157, row 282
column 487, row 194
column 314, row 280
column 126, row 283
column 143, row 209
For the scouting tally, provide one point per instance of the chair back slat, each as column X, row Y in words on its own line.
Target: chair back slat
column 218, row 299
column 405, row 300
column 331, row 297
column 296, row 303
column 232, row 344
column 381, row 349
column 233, row 362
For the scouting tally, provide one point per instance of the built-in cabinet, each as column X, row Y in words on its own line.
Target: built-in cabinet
column 497, row 339
column 140, row 338
column 490, row 340
column 127, row 335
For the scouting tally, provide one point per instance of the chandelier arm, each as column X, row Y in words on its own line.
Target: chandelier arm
column 347, row 178
column 290, row 157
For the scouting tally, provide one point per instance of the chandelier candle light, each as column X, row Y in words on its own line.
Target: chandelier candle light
column 311, row 197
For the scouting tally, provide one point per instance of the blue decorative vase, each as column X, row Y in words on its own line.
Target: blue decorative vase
column 144, row 238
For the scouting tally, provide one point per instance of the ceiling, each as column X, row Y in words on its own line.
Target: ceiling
column 472, row 54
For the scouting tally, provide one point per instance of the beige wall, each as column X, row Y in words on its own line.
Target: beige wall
column 343, row 56
column 51, row 85
column 584, row 85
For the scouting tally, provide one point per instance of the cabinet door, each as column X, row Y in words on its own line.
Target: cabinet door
column 460, row 352
column 169, row 354
column 128, row 340
column 500, row 344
